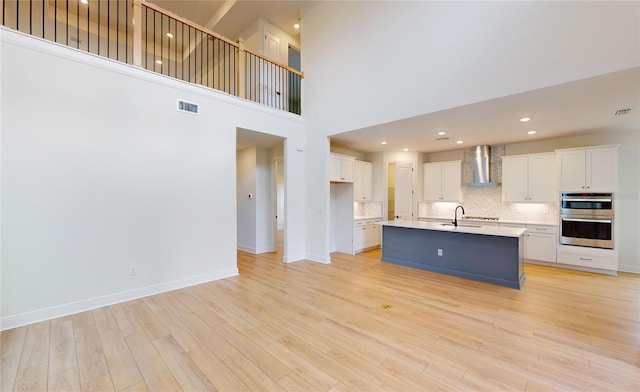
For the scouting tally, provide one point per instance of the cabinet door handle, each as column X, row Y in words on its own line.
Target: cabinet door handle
column 585, row 259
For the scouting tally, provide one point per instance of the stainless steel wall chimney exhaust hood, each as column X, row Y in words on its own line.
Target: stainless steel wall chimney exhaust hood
column 480, row 161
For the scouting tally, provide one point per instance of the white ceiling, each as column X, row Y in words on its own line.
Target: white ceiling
column 580, row 106
column 233, row 16
column 246, row 138
column 562, row 110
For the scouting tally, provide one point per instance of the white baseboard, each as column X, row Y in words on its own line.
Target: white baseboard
column 294, row 257
column 319, row 258
column 98, row 302
column 246, row 248
column 629, row 268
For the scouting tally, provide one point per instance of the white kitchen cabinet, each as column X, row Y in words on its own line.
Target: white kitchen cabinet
column 442, row 181
column 367, row 234
column 541, row 243
column 363, row 181
column 529, row 178
column 593, row 169
column 341, row 168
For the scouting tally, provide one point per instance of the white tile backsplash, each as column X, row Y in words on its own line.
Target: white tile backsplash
column 368, row 209
column 486, row 201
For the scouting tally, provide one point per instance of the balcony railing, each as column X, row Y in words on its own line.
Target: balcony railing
column 142, row 34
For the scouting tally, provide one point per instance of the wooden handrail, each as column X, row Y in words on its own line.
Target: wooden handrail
column 292, row 70
column 218, row 36
column 185, row 21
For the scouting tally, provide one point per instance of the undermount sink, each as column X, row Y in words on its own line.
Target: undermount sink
column 459, row 225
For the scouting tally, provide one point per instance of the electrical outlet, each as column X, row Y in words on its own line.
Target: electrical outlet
column 440, row 252
column 133, row 270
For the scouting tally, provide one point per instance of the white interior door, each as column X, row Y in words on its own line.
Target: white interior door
column 270, row 88
column 404, row 190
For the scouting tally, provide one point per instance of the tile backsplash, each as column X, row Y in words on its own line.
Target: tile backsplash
column 369, row 209
column 486, row 201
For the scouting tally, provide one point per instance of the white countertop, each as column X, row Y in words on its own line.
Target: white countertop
column 510, row 221
column 367, row 217
column 461, row 228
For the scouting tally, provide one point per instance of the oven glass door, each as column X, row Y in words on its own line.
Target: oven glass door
column 598, row 204
column 596, row 233
column 587, row 204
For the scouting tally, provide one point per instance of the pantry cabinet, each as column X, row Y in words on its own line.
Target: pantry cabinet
column 529, row 178
column 363, row 181
column 341, row 168
column 592, row 169
column 442, row 181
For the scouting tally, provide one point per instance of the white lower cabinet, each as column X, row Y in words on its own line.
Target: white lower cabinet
column 588, row 257
column 540, row 241
column 367, row 234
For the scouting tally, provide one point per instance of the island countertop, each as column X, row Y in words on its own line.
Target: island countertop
column 463, row 227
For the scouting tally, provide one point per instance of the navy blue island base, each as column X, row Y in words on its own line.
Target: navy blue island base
column 487, row 258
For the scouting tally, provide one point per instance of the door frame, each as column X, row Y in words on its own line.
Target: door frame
column 386, row 187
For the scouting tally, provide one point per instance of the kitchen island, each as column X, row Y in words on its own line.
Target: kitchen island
column 484, row 253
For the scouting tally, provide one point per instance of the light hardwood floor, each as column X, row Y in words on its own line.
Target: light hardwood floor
column 311, row 327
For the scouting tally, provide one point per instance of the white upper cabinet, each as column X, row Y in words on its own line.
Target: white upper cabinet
column 593, row 169
column 363, row 181
column 442, row 181
column 529, row 178
column 341, row 168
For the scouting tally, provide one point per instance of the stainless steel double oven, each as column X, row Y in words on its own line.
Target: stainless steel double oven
column 586, row 219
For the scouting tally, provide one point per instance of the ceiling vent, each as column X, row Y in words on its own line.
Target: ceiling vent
column 443, row 138
column 622, row 112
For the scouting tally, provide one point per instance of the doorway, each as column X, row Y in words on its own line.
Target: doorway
column 260, row 189
column 277, row 171
column 400, row 190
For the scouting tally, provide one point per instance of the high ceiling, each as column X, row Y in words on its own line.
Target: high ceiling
column 229, row 18
column 580, row 106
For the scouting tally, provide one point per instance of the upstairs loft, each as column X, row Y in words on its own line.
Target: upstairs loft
column 144, row 35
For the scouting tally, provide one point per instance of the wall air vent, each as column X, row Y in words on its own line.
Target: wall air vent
column 622, row 112
column 184, row 106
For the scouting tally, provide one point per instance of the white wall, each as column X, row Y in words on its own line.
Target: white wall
column 368, row 63
column 264, row 202
column 253, row 34
column 100, row 172
column 246, row 207
column 452, row 54
column 255, row 226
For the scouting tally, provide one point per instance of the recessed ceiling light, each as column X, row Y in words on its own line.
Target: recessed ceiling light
column 525, row 119
column 531, row 132
column 383, row 142
column 159, row 62
column 296, row 26
column 169, row 35
column 459, row 142
column 442, row 133
column 405, row 149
